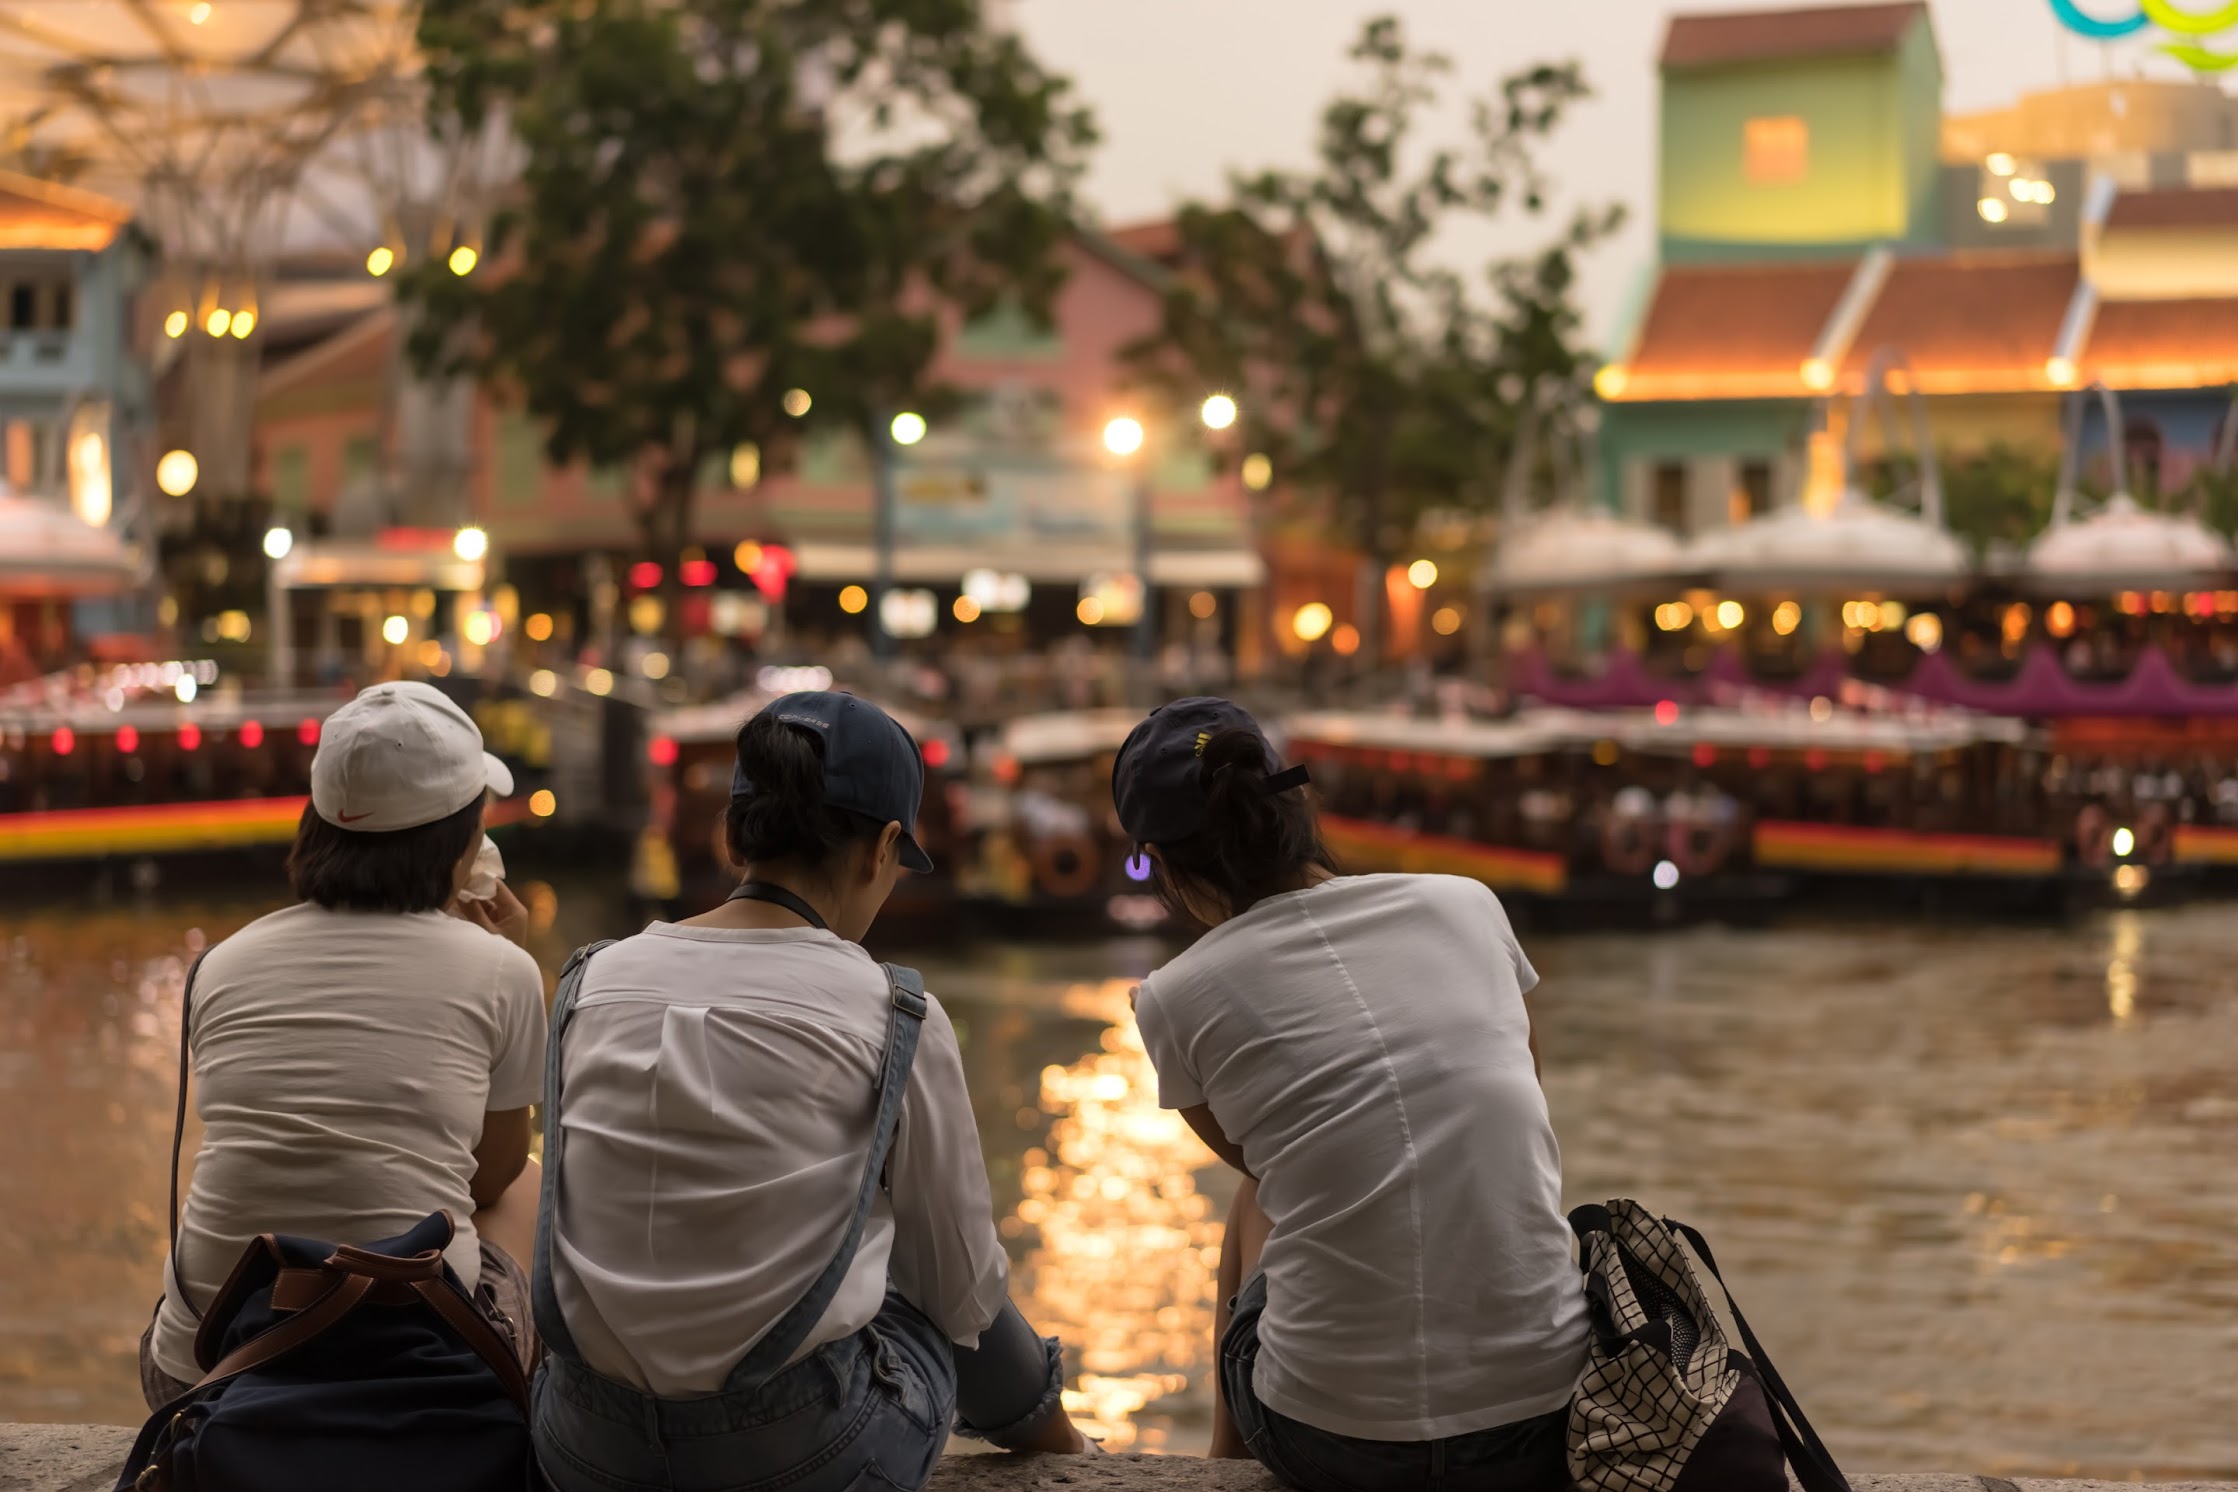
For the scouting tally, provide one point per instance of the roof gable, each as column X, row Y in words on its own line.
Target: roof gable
column 1728, row 37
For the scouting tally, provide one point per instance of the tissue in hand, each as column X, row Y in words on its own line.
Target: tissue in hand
column 489, row 869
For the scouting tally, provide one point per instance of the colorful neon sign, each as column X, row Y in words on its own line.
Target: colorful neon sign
column 2188, row 29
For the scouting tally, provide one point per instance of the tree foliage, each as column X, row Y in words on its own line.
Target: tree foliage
column 724, row 200
column 1376, row 375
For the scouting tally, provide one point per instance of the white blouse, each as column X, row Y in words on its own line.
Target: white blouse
column 719, row 1086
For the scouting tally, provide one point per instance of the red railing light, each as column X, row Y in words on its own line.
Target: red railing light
column 252, row 733
column 1705, row 755
column 65, row 740
column 1760, row 757
column 661, row 751
column 936, row 752
column 1666, row 712
column 128, row 738
column 696, row 572
column 645, row 575
column 1815, row 759
column 308, row 731
column 190, row 736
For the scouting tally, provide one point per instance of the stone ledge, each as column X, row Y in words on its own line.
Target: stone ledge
column 84, row 1458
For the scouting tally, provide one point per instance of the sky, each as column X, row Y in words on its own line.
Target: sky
column 1185, row 90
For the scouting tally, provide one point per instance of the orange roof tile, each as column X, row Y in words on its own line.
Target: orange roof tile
column 1765, row 35
column 1969, row 322
column 2194, row 207
column 2164, row 343
column 1160, row 240
column 1739, row 331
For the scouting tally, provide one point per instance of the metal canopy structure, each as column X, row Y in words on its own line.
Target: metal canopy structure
column 246, row 131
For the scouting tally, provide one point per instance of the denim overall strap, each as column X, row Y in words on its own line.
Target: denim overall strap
column 904, row 1021
column 543, row 1303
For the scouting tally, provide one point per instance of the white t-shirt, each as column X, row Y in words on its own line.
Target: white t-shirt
column 342, row 1065
column 717, row 1092
column 1365, row 1042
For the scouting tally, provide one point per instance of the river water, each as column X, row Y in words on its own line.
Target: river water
column 1973, row 1184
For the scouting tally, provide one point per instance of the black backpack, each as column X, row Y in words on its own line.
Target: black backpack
column 341, row 1368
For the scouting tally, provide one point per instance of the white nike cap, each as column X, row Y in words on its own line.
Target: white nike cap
column 398, row 756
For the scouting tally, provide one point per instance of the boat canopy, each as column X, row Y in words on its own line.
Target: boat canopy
column 1788, row 727
column 1067, row 735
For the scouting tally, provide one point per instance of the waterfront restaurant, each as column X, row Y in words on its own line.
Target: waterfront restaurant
column 1014, row 527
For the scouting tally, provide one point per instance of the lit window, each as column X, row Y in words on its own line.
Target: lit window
column 1776, row 150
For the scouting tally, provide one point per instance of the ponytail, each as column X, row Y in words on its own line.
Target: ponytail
column 1254, row 843
column 785, row 816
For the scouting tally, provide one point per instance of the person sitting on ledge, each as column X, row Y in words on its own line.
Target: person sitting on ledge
column 1398, row 1308
column 369, row 1055
column 767, row 1252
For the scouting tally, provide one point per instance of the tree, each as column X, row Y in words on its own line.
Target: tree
column 724, row 201
column 1376, row 377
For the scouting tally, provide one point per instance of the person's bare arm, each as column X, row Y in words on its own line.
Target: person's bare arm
column 1216, row 1139
column 501, row 1155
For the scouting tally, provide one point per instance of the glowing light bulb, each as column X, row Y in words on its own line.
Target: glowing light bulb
column 380, row 261
column 1123, row 436
column 175, row 324
column 1219, row 412
column 463, row 259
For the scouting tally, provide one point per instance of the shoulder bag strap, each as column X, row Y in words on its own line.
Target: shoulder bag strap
column 475, row 1329
column 543, row 1302
column 1814, row 1467
column 178, row 1134
column 302, row 1327
column 905, row 1019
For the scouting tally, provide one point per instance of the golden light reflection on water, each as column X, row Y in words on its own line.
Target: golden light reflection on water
column 1125, row 1250
column 2121, row 966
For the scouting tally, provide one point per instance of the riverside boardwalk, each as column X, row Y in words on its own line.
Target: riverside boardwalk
column 84, row 1458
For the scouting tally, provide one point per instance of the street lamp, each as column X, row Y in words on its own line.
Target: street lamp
column 470, row 544
column 1124, row 437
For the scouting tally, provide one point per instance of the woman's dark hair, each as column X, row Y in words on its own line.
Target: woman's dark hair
column 401, row 870
column 785, row 817
column 1253, row 845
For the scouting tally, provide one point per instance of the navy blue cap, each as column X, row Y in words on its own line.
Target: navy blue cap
column 871, row 765
column 1157, row 781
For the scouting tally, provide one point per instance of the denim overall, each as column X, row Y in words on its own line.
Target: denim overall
column 871, row 1410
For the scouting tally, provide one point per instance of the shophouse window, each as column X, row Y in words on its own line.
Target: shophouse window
column 1752, row 491
column 1776, row 150
column 1667, row 498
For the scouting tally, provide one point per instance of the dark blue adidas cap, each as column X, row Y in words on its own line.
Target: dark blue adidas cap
column 871, row 765
column 1157, row 781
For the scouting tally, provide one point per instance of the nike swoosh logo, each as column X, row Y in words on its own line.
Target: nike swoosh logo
column 351, row 818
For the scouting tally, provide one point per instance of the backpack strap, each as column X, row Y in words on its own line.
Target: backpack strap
column 178, row 1135
column 1814, row 1467
column 352, row 1275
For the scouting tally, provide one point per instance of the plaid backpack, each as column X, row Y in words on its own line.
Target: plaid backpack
column 1666, row 1404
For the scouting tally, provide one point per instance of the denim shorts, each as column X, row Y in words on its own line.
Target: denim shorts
column 866, row 1413
column 1527, row 1456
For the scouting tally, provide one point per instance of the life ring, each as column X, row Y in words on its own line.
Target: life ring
column 2094, row 835
column 1628, row 844
column 2156, row 835
column 1065, row 866
column 1698, row 847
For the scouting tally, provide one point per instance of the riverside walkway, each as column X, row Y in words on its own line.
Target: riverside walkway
column 84, row 1458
